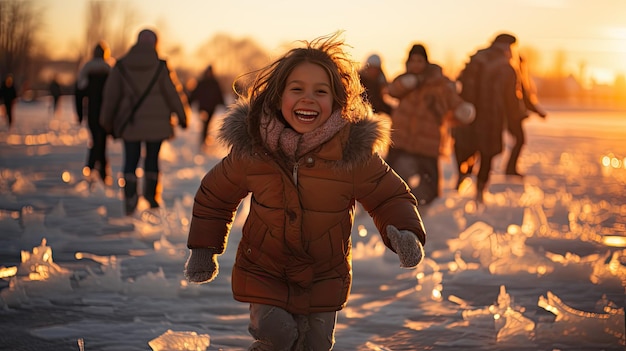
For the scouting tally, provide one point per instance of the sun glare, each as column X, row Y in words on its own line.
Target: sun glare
column 614, row 240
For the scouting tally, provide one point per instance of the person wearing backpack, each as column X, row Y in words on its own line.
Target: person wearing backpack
column 489, row 82
column 139, row 97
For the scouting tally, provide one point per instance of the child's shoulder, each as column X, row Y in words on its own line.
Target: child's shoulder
column 234, row 130
column 368, row 135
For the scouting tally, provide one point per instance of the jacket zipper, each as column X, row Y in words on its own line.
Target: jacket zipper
column 295, row 172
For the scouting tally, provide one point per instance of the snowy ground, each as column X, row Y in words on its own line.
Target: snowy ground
column 542, row 266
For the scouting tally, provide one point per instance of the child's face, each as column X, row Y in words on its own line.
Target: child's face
column 307, row 100
column 416, row 64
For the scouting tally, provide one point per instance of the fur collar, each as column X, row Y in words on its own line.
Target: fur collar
column 368, row 135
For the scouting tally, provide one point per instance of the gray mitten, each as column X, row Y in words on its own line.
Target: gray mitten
column 408, row 247
column 201, row 266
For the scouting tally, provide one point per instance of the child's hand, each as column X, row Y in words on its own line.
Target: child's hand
column 201, row 266
column 407, row 246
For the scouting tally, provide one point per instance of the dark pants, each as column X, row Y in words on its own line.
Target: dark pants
column 517, row 131
column 132, row 153
column 8, row 107
column 97, row 149
column 467, row 153
column 426, row 168
column 205, row 116
column 55, row 103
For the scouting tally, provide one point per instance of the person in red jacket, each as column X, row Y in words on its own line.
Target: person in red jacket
column 304, row 143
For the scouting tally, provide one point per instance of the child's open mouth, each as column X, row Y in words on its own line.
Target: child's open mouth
column 306, row 116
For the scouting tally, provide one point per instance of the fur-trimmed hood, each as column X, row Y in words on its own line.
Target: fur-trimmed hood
column 369, row 134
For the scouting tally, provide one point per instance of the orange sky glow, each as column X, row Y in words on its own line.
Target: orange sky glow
column 590, row 36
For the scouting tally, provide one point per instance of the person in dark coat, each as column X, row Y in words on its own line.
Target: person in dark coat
column 374, row 81
column 9, row 96
column 150, row 123
column 495, row 100
column 208, row 94
column 89, row 88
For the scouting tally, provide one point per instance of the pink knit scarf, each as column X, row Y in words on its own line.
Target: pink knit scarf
column 278, row 136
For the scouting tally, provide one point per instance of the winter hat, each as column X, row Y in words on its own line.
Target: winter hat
column 505, row 38
column 373, row 60
column 419, row 49
column 147, row 36
column 101, row 50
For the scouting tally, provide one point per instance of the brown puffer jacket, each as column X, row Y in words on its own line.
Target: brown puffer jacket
column 152, row 120
column 419, row 117
column 295, row 250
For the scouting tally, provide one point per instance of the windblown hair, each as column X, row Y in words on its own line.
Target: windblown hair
column 265, row 92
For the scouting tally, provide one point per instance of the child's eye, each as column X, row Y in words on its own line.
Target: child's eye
column 322, row 91
column 296, row 89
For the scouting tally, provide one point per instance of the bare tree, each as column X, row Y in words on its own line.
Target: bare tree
column 20, row 22
column 232, row 57
column 97, row 12
column 126, row 17
column 109, row 21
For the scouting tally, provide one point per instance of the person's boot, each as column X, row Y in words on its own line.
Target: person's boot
column 151, row 183
column 130, row 193
column 104, row 172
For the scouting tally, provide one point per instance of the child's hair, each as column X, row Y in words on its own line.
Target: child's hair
column 265, row 92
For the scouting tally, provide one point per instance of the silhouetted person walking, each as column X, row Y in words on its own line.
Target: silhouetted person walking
column 489, row 82
column 55, row 92
column 208, row 94
column 9, row 96
column 529, row 104
column 140, row 95
column 89, row 88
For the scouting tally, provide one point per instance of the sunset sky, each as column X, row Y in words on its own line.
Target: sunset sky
column 589, row 34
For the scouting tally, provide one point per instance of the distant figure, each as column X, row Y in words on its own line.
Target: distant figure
column 9, row 96
column 489, row 81
column 89, row 87
column 208, row 94
column 529, row 104
column 375, row 83
column 427, row 100
column 304, row 144
column 140, row 95
column 55, row 92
